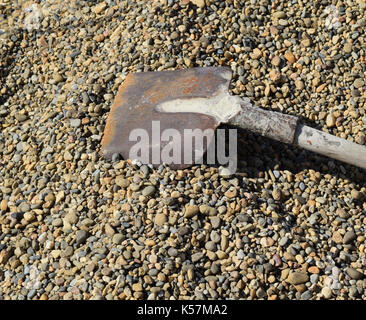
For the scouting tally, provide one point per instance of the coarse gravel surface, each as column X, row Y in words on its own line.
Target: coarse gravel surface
column 288, row 225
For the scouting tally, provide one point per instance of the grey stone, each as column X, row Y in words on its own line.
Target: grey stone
column 349, row 237
column 314, row 278
column 215, row 236
column 173, row 252
column 354, row 274
column 197, row 256
column 240, row 254
column 24, row 207
column 210, row 245
column 283, row 241
column 81, row 236
column 215, row 222
column 260, row 293
column 75, row 122
column 118, row 238
column 306, row 295
column 148, row 191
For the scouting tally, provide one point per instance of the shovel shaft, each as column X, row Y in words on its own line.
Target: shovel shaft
column 330, row 146
column 270, row 124
column 285, row 128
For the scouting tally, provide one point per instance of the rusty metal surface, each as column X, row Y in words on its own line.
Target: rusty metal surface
column 134, row 104
column 270, row 124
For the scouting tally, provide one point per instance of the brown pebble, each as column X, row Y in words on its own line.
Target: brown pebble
column 276, row 194
column 4, row 205
column 256, row 54
column 290, row 57
column 330, row 120
column 274, row 75
column 337, row 237
column 160, row 219
column 299, row 85
column 137, row 287
column 313, row 269
column 276, row 60
column 43, row 297
column 191, row 211
column 297, row 278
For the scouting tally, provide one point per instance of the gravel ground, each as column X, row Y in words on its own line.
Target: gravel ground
column 289, row 225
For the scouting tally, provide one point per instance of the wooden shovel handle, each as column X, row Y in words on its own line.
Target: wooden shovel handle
column 270, row 124
column 285, row 128
column 330, row 146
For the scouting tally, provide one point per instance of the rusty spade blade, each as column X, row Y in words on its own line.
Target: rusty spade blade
column 198, row 98
column 141, row 100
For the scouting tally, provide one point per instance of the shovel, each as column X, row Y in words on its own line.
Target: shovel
column 198, row 98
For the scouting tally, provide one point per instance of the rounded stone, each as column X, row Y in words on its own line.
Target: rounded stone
column 326, row 293
column 71, row 217
column 354, row 274
column 191, row 211
column 297, row 278
column 122, row 182
column 148, row 191
column 160, row 219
